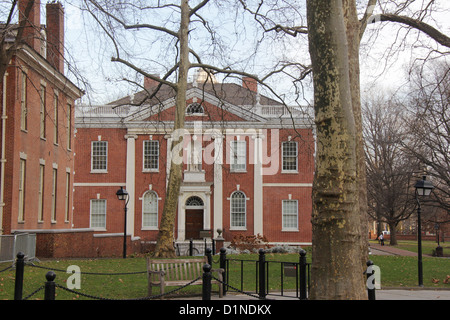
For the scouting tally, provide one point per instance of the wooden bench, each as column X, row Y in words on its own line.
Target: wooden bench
column 178, row 272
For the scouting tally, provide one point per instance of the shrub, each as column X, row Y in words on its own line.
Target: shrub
column 249, row 242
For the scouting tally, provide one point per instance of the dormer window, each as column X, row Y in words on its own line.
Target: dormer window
column 195, row 109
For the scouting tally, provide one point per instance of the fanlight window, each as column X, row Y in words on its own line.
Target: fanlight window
column 194, row 201
column 195, row 108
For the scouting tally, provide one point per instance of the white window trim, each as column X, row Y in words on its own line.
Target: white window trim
column 238, row 228
column 236, row 142
column 282, row 158
column 92, row 158
column 157, row 211
column 288, row 229
column 144, row 169
column 90, row 215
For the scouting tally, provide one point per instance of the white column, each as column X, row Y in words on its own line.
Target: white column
column 3, row 152
column 218, row 188
column 207, row 212
column 130, row 181
column 181, row 219
column 258, row 187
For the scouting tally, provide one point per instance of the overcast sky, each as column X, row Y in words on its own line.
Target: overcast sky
column 385, row 58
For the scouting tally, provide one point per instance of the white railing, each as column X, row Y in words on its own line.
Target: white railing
column 265, row 111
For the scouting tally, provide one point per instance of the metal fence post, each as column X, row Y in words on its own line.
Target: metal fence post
column 50, row 286
column 223, row 265
column 208, row 255
column 303, row 275
column 206, row 289
column 191, row 247
column 18, row 285
column 370, row 281
column 262, row 274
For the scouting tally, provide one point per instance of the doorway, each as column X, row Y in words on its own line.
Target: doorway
column 194, row 217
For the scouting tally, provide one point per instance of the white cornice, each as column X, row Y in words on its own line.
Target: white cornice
column 43, row 67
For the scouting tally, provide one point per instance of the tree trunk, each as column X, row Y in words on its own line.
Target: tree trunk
column 164, row 244
column 393, row 234
column 336, row 266
column 353, row 38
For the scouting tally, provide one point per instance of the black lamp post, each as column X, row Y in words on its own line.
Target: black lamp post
column 122, row 194
column 423, row 188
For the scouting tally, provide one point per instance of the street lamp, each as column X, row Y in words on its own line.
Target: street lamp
column 423, row 188
column 122, row 195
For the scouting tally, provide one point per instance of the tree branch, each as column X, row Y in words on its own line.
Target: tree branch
column 416, row 24
column 133, row 26
column 367, row 15
column 139, row 70
column 198, row 7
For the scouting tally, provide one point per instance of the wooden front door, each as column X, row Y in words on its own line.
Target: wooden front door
column 194, row 223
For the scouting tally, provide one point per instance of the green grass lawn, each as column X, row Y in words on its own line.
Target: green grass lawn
column 395, row 272
column 427, row 246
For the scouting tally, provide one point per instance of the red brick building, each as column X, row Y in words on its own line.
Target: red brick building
column 37, row 130
column 248, row 165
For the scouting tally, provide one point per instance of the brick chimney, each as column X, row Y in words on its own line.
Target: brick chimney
column 31, row 32
column 55, row 35
column 250, row 84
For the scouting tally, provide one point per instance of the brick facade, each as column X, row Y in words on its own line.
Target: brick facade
column 37, row 128
column 245, row 116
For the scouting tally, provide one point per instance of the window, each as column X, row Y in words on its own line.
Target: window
column 195, row 156
column 195, row 109
column 41, row 193
column 150, row 210
column 42, row 112
column 22, row 175
column 69, row 127
column 23, row 103
column 238, row 155
column 54, row 182
column 98, row 213
column 290, row 215
column 151, row 155
column 194, row 201
column 289, row 156
column 99, row 156
column 55, row 128
column 67, row 204
column 238, row 210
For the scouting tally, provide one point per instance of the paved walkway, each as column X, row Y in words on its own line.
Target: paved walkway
column 377, row 249
column 383, row 294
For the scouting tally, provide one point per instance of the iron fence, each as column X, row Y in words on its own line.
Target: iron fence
column 266, row 271
column 299, row 270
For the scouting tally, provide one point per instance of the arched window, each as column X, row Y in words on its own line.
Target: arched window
column 195, row 109
column 194, row 201
column 238, row 210
column 150, row 210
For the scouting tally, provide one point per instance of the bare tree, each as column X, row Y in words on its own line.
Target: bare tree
column 335, row 34
column 429, row 127
column 390, row 169
column 172, row 28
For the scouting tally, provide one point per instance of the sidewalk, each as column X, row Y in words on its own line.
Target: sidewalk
column 378, row 249
column 383, row 294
